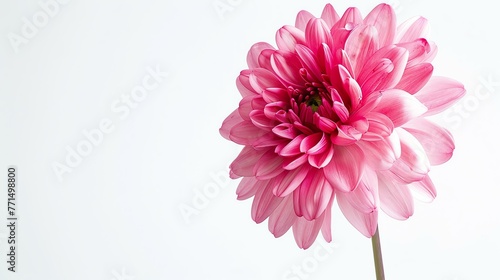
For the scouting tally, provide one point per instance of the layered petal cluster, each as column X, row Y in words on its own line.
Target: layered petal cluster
column 338, row 110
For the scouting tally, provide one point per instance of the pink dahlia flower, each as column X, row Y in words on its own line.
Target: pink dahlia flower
column 339, row 110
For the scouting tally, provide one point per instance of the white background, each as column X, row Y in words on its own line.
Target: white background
column 117, row 215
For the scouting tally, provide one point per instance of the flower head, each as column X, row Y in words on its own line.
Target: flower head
column 338, row 110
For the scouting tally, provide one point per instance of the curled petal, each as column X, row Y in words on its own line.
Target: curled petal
column 244, row 163
column 360, row 206
column 411, row 30
column 413, row 164
column 381, row 155
column 312, row 196
column 264, row 202
column 395, row 198
column 245, row 133
column 288, row 181
column 414, row 78
column 254, row 53
column 291, row 163
column 285, row 130
column 293, row 147
column 321, row 160
column 243, row 84
column 360, row 45
column 439, row 94
column 341, row 173
column 418, row 51
column 247, row 187
column 302, row 19
column 437, row 141
column 286, row 65
column 380, row 126
column 317, row 33
column 288, row 37
column 424, row 189
column 399, row 106
column 233, row 119
column 282, row 218
column 351, row 17
column 326, row 228
column 305, row 232
column 260, row 120
column 268, row 166
column 397, row 56
column 261, row 79
column 383, row 19
column 271, row 95
column 309, row 61
column 329, row 15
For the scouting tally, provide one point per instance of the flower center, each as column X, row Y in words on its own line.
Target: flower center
column 313, row 101
column 312, row 95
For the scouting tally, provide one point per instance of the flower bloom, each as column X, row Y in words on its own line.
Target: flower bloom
column 339, row 110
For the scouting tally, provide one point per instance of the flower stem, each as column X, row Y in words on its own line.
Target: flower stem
column 377, row 256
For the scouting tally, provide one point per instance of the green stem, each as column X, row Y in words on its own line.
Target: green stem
column 377, row 256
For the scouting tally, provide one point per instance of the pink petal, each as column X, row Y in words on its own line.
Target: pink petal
column 309, row 61
column 413, row 164
column 317, row 33
column 245, row 107
column 324, row 124
column 312, row 196
column 411, row 30
column 302, row 19
column 268, row 166
column 418, row 51
column 254, row 53
column 261, row 79
column 290, row 180
column 288, row 37
column 341, row 111
column 439, row 94
column 260, row 120
column 398, row 57
column 264, row 203
column 384, row 20
column 245, row 133
column 360, row 206
column 282, row 218
column 314, row 143
column 286, row 65
column 305, row 232
column 243, row 84
column 437, row 141
column 423, row 190
column 285, row 130
column 248, row 187
column 321, row 160
column 293, row 147
column 351, row 17
column 414, row 78
column 381, row 155
column 395, row 198
column 360, row 45
column 275, row 110
column 244, row 163
column 326, row 228
column 329, row 15
column 271, row 95
column 399, row 106
column 233, row 119
column 381, row 126
column 294, row 162
column 341, row 173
